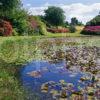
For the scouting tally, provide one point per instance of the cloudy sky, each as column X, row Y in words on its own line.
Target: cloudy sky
column 84, row 10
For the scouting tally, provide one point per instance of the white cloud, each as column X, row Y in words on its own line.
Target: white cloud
column 28, row 5
column 37, row 10
column 81, row 11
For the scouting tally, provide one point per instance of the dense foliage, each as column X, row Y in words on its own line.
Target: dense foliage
column 72, row 29
column 91, row 30
column 19, row 21
column 75, row 21
column 94, row 22
column 7, row 7
column 5, row 28
column 23, row 24
column 54, row 16
column 92, row 27
column 36, row 26
column 11, row 10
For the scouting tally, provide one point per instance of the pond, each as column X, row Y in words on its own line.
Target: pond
column 70, row 72
column 44, row 77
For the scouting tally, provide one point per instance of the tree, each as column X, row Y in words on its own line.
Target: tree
column 72, row 28
column 9, row 4
column 19, row 20
column 74, row 21
column 80, row 24
column 99, row 12
column 67, row 23
column 94, row 22
column 54, row 16
column 7, row 7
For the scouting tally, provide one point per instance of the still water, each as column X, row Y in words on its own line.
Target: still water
column 43, row 77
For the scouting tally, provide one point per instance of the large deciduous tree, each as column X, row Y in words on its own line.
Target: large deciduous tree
column 7, row 7
column 74, row 21
column 54, row 16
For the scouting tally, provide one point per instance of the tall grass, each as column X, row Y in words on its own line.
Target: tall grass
column 14, row 52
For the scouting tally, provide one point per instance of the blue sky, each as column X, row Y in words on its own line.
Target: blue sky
column 84, row 10
column 37, row 3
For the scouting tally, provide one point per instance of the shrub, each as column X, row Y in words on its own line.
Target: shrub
column 21, row 27
column 55, row 30
column 72, row 29
column 14, row 32
column 91, row 30
column 5, row 28
column 33, row 22
column 33, row 26
column 36, row 26
column 42, row 28
column 92, row 27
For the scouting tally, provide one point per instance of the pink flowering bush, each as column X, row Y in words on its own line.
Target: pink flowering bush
column 91, row 30
column 56, row 30
column 33, row 22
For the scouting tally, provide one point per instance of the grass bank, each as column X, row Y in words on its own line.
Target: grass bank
column 14, row 52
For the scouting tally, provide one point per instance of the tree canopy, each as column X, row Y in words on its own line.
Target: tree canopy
column 54, row 15
column 74, row 21
column 95, row 21
column 7, row 7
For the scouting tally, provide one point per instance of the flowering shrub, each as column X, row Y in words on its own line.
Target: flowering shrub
column 33, row 23
column 60, row 30
column 36, row 26
column 5, row 28
column 91, row 30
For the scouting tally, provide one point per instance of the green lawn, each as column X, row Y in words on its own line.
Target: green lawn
column 64, row 34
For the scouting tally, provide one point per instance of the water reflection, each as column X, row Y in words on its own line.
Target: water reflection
column 55, row 81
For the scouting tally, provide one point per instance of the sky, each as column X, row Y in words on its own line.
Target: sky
column 84, row 10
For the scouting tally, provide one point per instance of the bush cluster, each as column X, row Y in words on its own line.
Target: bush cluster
column 92, row 27
column 91, row 30
column 5, row 28
column 58, row 30
column 36, row 26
